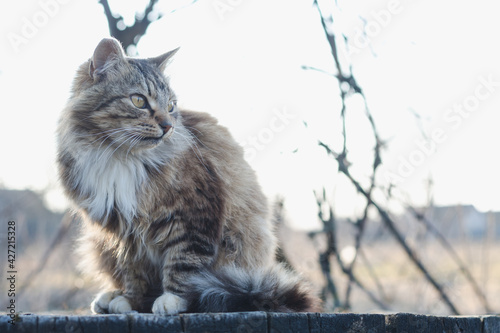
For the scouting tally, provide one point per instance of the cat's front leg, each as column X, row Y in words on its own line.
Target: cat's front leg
column 111, row 302
column 169, row 303
column 122, row 301
column 182, row 261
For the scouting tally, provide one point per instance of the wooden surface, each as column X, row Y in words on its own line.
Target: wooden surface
column 250, row 322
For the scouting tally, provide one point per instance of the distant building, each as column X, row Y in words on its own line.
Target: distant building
column 464, row 221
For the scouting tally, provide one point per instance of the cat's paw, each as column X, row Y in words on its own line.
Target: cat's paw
column 120, row 305
column 110, row 302
column 169, row 303
column 100, row 304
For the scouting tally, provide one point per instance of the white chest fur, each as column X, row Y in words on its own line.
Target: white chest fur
column 107, row 182
column 109, row 179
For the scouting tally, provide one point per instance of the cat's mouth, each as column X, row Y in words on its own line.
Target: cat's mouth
column 152, row 139
column 156, row 140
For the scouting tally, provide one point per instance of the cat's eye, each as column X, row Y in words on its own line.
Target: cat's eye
column 139, row 101
column 171, row 106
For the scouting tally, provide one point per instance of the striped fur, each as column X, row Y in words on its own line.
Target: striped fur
column 169, row 205
column 233, row 289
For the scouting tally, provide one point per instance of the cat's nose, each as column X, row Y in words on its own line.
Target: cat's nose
column 165, row 126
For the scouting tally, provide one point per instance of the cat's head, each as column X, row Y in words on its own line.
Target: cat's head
column 123, row 103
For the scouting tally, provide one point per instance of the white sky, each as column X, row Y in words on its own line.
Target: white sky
column 243, row 65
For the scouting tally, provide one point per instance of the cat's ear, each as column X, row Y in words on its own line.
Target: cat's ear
column 109, row 50
column 163, row 60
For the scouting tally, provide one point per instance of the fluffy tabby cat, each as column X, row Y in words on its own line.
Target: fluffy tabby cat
column 173, row 217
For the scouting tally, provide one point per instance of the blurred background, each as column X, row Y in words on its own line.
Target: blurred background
column 371, row 125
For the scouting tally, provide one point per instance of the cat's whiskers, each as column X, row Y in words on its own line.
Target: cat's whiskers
column 134, row 140
column 197, row 139
column 127, row 137
column 121, row 132
column 102, row 138
column 196, row 152
column 123, row 136
column 108, row 137
column 99, row 134
column 94, row 134
column 104, row 151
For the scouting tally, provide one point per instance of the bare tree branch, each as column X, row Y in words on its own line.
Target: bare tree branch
column 348, row 85
column 129, row 35
column 389, row 223
column 279, row 222
column 42, row 263
column 449, row 248
column 374, row 276
column 329, row 229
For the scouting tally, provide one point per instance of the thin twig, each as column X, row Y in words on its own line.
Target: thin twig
column 389, row 223
column 329, row 229
column 454, row 255
column 343, row 165
column 331, row 248
column 42, row 263
column 372, row 274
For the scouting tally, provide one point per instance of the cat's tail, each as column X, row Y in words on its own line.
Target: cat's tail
column 232, row 289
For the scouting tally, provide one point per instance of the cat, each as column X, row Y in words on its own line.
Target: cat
column 173, row 218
